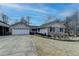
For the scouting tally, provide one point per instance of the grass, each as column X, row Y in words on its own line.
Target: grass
column 68, row 40
column 45, row 46
column 48, row 47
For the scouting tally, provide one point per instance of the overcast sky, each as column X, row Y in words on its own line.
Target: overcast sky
column 38, row 12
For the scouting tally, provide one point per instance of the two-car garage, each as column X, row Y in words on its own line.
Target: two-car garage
column 20, row 31
column 20, row 28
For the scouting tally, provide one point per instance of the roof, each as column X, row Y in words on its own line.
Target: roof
column 60, row 25
column 19, row 23
column 34, row 27
column 47, row 23
column 4, row 24
column 53, row 24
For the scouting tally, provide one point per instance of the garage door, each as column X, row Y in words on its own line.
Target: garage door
column 20, row 31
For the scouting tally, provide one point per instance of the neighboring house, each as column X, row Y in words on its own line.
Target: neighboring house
column 4, row 28
column 19, row 28
column 52, row 28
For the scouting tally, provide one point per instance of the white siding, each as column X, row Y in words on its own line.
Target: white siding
column 44, row 30
column 57, row 29
column 20, row 29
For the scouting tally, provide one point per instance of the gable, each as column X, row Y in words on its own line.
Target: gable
column 20, row 25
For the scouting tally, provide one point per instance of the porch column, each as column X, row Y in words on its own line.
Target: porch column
column 2, row 30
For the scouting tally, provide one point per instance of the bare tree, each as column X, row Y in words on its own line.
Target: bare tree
column 67, row 29
column 71, row 23
column 76, row 22
column 26, row 19
column 5, row 18
column 48, row 19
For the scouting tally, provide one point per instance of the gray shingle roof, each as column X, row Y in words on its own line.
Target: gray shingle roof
column 19, row 23
column 53, row 24
column 4, row 24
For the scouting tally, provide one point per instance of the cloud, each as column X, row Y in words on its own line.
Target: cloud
column 47, row 8
column 16, row 6
column 68, row 10
column 38, row 10
column 21, row 7
column 41, row 10
column 74, row 6
column 66, row 13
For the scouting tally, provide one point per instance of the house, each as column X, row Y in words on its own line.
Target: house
column 20, row 28
column 4, row 28
column 52, row 28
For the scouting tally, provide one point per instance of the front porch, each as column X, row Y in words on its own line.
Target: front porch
column 4, row 30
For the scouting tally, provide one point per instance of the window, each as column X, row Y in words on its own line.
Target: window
column 38, row 30
column 61, row 29
column 77, row 29
column 52, row 29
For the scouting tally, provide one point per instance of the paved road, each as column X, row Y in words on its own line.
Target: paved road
column 17, row 46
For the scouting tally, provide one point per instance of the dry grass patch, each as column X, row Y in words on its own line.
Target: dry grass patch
column 48, row 47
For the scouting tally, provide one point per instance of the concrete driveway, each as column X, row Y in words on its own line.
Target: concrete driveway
column 17, row 46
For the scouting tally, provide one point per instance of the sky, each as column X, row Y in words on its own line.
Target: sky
column 38, row 12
